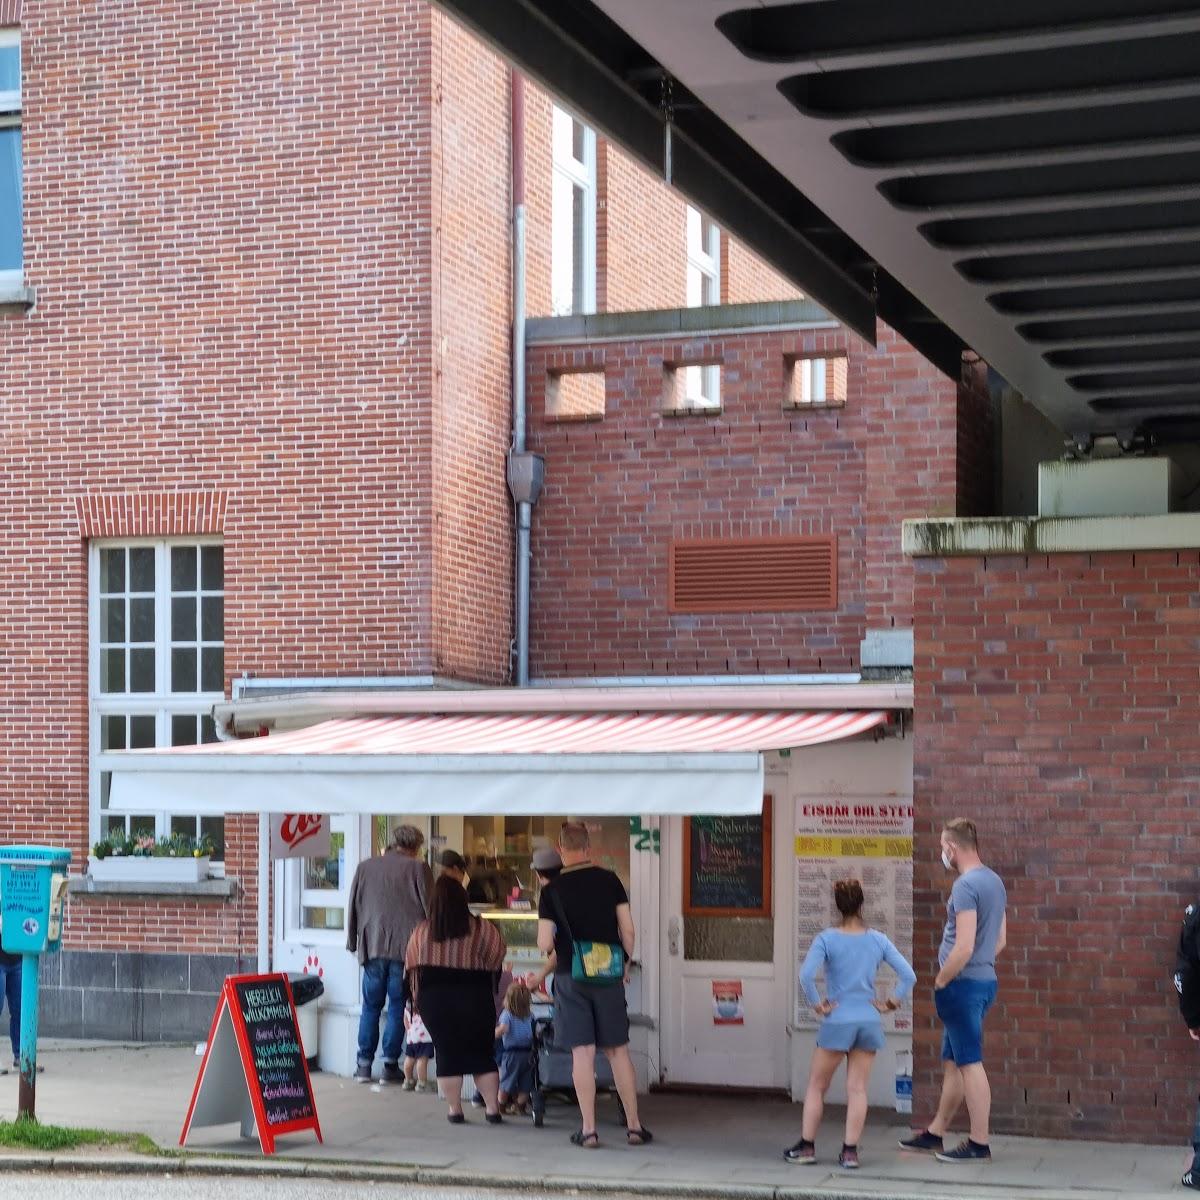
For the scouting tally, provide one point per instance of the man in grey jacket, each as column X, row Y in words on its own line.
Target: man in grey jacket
column 389, row 898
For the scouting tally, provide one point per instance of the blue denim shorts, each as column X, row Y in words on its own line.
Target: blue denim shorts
column 962, row 1005
column 843, row 1036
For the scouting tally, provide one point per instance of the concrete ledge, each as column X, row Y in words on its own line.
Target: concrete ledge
column 949, row 537
column 678, row 322
column 17, row 297
column 211, row 889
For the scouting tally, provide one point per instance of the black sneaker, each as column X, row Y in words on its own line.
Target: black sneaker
column 391, row 1073
column 926, row 1142
column 803, row 1154
column 966, row 1151
column 362, row 1073
column 1192, row 1178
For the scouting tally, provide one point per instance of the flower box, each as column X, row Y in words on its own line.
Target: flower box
column 142, row 869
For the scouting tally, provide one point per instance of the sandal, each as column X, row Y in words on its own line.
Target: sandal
column 588, row 1141
column 639, row 1137
column 493, row 1118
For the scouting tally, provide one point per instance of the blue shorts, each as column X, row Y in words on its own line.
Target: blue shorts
column 962, row 1005
column 843, row 1036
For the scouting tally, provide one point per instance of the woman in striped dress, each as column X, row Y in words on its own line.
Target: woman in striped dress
column 454, row 961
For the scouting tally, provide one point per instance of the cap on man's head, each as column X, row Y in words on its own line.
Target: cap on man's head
column 547, row 859
column 453, row 861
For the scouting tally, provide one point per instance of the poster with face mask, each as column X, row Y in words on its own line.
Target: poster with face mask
column 727, row 1002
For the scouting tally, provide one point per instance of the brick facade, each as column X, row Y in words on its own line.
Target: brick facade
column 1056, row 704
column 619, row 489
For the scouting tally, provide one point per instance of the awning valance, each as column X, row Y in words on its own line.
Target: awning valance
column 627, row 763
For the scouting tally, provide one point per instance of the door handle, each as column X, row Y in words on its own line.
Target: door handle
column 673, row 931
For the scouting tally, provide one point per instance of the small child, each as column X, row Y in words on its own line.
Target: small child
column 515, row 1031
column 418, row 1050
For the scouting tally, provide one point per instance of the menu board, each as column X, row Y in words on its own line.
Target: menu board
column 727, row 865
column 280, row 1071
column 870, row 841
column 254, row 1070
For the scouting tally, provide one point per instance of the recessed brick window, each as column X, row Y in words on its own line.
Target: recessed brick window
column 778, row 574
column 815, row 382
column 693, row 387
column 575, row 395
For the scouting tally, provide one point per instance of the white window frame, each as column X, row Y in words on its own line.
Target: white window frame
column 160, row 704
column 10, row 116
column 573, row 173
column 299, row 897
column 814, row 375
column 702, row 384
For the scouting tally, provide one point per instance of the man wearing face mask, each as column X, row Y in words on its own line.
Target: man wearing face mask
column 964, row 990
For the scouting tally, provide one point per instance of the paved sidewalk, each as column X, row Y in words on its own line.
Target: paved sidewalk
column 704, row 1144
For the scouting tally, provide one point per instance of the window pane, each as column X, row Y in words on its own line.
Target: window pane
column 578, row 141
column 183, row 729
column 212, row 670
column 709, row 294
column 112, row 570
column 183, row 827
column 112, row 620
column 142, row 826
column 183, row 568
column 212, row 619
column 208, row 729
column 141, row 569
column 141, row 670
column 324, row 874
column 142, row 733
column 10, row 68
column 183, row 618
column 105, row 788
column 212, row 568
column 112, row 733
column 141, row 620
column 578, row 217
column 111, row 824
column 11, row 237
column 112, row 670
column 183, row 670
column 214, row 828
column 323, row 918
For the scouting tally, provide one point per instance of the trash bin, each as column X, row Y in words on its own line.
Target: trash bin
column 305, row 991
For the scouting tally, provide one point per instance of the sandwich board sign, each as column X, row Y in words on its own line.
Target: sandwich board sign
column 254, row 1070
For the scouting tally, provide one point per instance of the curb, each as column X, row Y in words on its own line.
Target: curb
column 431, row 1177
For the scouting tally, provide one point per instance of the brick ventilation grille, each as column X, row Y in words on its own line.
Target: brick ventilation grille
column 151, row 514
column 10, row 12
column 791, row 574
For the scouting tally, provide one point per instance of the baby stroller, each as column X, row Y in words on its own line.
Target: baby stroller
column 552, row 1069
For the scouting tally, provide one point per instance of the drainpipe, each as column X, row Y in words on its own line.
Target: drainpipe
column 524, row 469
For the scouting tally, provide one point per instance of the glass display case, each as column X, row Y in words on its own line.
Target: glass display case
column 519, row 930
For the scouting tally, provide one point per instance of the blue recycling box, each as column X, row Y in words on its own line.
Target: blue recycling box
column 33, row 886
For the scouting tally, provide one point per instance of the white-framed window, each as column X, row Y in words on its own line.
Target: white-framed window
column 156, row 665
column 702, row 384
column 319, row 888
column 12, row 236
column 572, row 216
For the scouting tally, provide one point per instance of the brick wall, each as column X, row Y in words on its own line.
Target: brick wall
column 618, row 490
column 1056, row 704
column 746, row 279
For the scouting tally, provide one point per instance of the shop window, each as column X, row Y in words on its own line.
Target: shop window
column 11, row 184
column 815, row 382
column 575, row 395
column 157, row 665
column 572, row 216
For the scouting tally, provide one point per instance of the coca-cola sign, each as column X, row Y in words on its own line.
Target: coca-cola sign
column 299, row 835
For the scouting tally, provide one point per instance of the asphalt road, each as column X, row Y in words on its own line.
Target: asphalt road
column 67, row 1186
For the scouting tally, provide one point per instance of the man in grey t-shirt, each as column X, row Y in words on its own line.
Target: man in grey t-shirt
column 965, row 987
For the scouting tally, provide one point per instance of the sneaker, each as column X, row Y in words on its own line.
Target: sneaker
column 1192, row 1178
column 362, row 1073
column 803, row 1154
column 424, row 1086
column 391, row 1073
column 966, row 1151
column 476, row 1101
column 928, row 1143
column 409, row 1085
column 848, row 1159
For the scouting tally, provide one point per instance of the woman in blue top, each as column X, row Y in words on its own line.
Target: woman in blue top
column 851, row 1027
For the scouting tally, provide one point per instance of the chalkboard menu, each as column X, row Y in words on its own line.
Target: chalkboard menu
column 254, row 1071
column 727, row 865
column 280, row 1071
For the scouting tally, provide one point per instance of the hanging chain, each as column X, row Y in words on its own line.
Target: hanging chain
column 667, row 106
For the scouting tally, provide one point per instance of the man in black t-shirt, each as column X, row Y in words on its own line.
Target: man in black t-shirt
column 589, row 904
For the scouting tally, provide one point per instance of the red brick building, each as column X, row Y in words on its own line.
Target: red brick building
column 257, row 405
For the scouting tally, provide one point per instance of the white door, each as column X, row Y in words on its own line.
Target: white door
column 727, row 987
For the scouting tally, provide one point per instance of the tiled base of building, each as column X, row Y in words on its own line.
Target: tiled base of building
column 132, row 996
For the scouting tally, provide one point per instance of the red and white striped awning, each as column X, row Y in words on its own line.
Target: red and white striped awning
column 527, row 763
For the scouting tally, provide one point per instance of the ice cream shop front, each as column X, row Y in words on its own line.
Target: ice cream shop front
column 727, row 812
